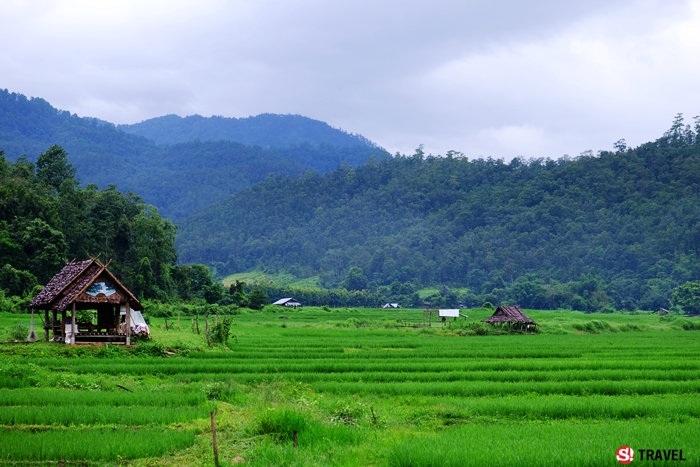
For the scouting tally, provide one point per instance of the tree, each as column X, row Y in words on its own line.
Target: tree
column 687, row 296
column 16, row 282
column 144, row 280
column 214, row 292
column 355, row 280
column 257, row 298
column 237, row 292
column 52, row 167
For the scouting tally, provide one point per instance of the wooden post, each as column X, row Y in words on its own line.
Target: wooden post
column 295, row 439
column 213, row 437
column 46, row 325
column 128, row 323
column 206, row 329
column 53, row 324
column 63, row 327
column 197, row 322
column 74, row 324
column 32, row 337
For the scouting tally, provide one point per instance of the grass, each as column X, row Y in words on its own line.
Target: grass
column 360, row 387
column 91, row 444
column 539, row 444
column 257, row 277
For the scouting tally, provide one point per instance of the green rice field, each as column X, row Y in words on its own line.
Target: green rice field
column 360, row 387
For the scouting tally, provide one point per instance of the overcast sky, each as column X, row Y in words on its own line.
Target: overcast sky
column 500, row 78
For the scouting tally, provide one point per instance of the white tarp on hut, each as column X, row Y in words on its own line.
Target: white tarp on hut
column 138, row 324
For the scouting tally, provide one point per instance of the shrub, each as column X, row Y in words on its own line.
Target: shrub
column 594, row 327
column 19, row 332
column 221, row 331
column 154, row 349
column 282, row 423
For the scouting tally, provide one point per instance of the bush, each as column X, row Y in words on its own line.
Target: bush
column 19, row 332
column 109, row 351
column 594, row 327
column 687, row 324
column 221, row 331
column 154, row 349
column 281, row 424
column 218, row 391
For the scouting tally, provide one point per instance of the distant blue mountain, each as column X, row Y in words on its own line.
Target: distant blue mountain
column 179, row 164
column 265, row 130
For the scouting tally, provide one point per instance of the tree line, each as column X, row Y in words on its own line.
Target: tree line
column 614, row 229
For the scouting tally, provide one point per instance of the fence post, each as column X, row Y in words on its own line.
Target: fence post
column 295, row 439
column 206, row 330
column 213, row 436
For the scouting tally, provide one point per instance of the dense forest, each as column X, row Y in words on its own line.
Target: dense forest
column 178, row 178
column 47, row 219
column 614, row 229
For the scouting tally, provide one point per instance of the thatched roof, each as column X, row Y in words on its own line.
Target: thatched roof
column 509, row 314
column 72, row 282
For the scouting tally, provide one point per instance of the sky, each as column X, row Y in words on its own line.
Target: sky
column 498, row 78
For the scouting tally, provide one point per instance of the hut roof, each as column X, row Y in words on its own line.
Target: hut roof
column 282, row 301
column 70, row 284
column 509, row 314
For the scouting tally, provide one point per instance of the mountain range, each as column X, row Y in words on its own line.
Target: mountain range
column 181, row 165
column 614, row 229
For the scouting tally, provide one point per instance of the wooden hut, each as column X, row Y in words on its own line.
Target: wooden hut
column 288, row 302
column 86, row 285
column 512, row 318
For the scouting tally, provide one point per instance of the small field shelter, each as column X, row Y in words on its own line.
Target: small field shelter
column 86, row 285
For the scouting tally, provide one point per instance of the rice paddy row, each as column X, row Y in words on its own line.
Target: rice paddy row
column 361, row 396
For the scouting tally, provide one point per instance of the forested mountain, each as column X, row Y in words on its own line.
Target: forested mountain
column 180, row 178
column 621, row 228
column 266, row 130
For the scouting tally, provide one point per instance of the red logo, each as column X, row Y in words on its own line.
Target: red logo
column 625, row 455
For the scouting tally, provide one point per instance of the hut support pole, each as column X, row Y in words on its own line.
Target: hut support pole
column 128, row 323
column 32, row 337
column 63, row 327
column 53, row 324
column 74, row 324
column 46, row 325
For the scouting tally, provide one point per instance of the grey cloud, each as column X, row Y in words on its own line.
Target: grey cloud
column 480, row 77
